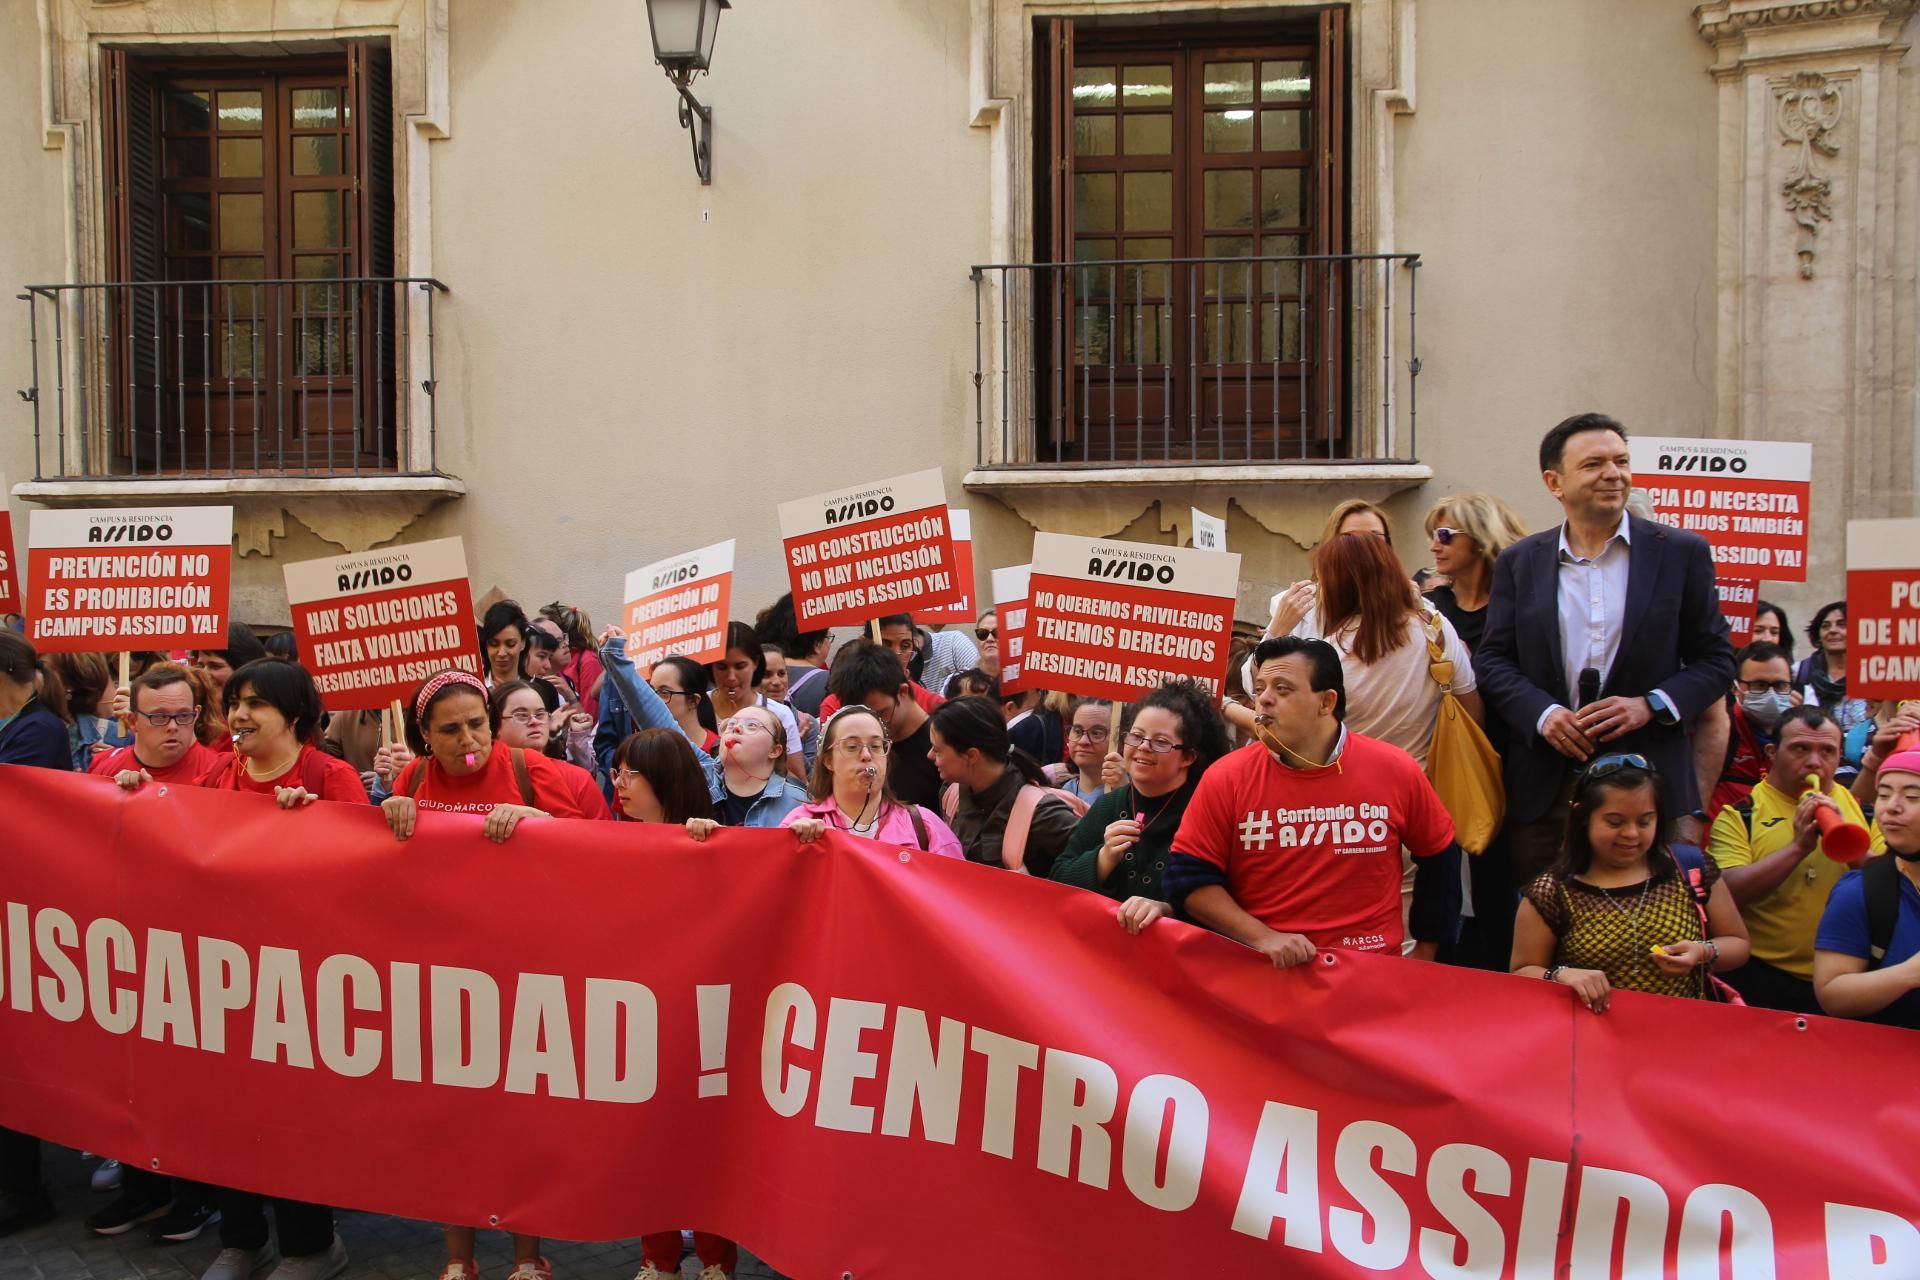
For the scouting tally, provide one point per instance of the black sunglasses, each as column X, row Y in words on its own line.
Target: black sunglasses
column 1607, row 765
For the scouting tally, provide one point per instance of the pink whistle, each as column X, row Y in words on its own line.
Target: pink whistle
column 470, row 759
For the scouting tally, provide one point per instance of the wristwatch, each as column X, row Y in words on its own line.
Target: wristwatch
column 1662, row 713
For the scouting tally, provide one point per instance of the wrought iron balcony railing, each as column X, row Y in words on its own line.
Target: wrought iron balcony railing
column 1183, row 361
column 233, row 379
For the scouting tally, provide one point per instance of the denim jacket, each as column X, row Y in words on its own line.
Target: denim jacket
column 782, row 795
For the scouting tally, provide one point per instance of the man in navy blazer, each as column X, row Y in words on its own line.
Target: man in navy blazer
column 1631, row 601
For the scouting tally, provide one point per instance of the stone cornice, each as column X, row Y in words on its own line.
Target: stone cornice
column 1724, row 20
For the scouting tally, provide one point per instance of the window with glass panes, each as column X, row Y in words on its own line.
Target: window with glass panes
column 224, row 174
column 1192, row 149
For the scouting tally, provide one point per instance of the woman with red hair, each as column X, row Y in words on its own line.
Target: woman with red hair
column 1366, row 607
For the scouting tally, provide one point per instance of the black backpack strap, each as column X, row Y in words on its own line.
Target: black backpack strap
column 1881, row 880
column 919, row 826
column 417, row 774
column 1745, row 809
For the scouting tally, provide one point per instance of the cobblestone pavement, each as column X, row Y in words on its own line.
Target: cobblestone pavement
column 381, row 1248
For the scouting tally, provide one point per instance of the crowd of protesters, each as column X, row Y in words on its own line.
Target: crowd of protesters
column 1663, row 793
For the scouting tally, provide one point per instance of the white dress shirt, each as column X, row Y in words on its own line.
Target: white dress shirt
column 1593, row 604
column 1593, row 611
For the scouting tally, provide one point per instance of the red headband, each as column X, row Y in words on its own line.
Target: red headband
column 439, row 682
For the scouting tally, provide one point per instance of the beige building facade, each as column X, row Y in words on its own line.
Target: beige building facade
column 536, row 328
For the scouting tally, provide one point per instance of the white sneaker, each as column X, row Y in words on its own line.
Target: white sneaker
column 106, row 1176
column 650, row 1272
column 713, row 1271
column 241, row 1264
column 325, row 1265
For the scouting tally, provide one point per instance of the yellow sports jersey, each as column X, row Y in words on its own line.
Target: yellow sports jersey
column 1782, row 924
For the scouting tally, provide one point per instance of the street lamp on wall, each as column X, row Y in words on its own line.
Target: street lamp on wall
column 683, row 33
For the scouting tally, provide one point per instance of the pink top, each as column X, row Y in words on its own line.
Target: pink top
column 895, row 827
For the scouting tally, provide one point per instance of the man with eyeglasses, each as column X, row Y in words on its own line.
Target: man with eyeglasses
column 163, row 707
column 1763, row 694
column 871, row 675
column 1768, row 849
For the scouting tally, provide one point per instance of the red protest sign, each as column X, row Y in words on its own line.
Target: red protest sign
column 373, row 625
column 1112, row 619
column 1010, row 605
column 962, row 608
column 9, row 579
column 679, row 605
column 1748, row 498
column 1738, row 601
column 869, row 550
column 1883, row 609
column 129, row 578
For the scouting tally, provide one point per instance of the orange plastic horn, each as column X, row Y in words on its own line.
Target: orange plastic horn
column 1840, row 840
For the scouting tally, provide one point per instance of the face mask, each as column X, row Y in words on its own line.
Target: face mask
column 1765, row 709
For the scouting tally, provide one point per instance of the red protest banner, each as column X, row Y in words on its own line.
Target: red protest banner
column 371, row 626
column 679, row 605
column 1010, row 605
column 963, row 608
column 1167, row 1100
column 9, row 579
column 1739, row 600
column 1883, row 609
column 129, row 578
column 1113, row 619
column 1748, row 498
column 868, row 550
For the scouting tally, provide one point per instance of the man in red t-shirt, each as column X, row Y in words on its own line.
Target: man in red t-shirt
column 1292, row 843
column 164, row 710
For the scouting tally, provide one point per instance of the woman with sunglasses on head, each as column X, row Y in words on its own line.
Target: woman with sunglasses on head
column 1466, row 533
column 1618, row 910
column 1122, row 845
column 850, row 792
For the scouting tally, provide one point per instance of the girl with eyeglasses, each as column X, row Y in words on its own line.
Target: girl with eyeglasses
column 685, row 688
column 1466, row 533
column 1091, row 755
column 1122, row 845
column 753, row 790
column 1617, row 911
column 985, row 775
column 736, row 684
column 850, row 792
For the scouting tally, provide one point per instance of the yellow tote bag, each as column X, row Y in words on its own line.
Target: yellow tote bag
column 1463, row 765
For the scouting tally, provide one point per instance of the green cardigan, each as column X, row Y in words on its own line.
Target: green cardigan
column 1142, row 872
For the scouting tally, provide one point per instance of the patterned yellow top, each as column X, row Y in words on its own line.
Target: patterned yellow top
column 1615, row 930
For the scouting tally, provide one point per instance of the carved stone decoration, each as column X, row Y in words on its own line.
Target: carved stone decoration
column 1809, row 110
